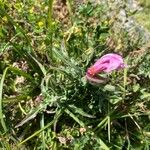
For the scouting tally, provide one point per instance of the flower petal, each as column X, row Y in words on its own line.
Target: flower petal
column 106, row 63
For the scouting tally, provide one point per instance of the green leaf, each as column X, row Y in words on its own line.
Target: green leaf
column 136, row 87
column 81, row 112
column 57, row 115
column 40, row 65
column 1, row 95
column 29, row 117
column 75, row 117
column 110, row 88
column 21, row 73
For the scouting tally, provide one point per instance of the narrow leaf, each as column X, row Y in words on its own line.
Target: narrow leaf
column 1, row 95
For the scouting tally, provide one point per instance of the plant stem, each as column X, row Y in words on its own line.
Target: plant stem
column 49, row 25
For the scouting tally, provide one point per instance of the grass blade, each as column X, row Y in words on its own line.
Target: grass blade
column 75, row 118
column 103, row 145
column 40, row 65
column 57, row 115
column 102, row 124
column 21, row 73
column 1, row 93
column 43, row 136
column 29, row 117
column 81, row 112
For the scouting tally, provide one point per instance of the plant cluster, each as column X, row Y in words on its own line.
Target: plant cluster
column 46, row 101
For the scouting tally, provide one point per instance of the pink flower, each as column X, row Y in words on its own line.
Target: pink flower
column 107, row 63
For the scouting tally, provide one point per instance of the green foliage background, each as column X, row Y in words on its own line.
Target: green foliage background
column 45, row 100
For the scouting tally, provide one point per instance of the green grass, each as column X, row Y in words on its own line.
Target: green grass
column 46, row 101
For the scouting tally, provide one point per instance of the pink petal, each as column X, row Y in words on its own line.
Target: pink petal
column 106, row 63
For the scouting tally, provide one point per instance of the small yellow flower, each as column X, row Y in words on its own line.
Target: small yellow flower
column 106, row 22
column 40, row 23
column 78, row 31
column 5, row 19
column 31, row 10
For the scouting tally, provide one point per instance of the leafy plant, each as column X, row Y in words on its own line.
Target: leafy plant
column 46, row 101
